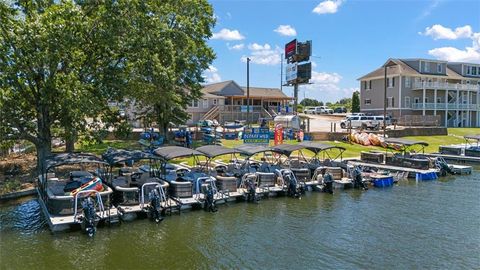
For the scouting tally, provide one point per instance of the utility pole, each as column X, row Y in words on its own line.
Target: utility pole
column 281, row 72
column 385, row 103
column 295, row 96
column 248, row 91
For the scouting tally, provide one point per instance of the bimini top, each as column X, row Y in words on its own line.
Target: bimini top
column 405, row 142
column 115, row 156
column 251, row 150
column 71, row 158
column 472, row 137
column 319, row 147
column 212, row 151
column 171, row 152
column 287, row 149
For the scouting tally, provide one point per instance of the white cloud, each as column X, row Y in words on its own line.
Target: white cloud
column 438, row 31
column 286, row 30
column 227, row 34
column 325, row 87
column 236, row 46
column 211, row 75
column 328, row 6
column 263, row 54
column 428, row 10
column 314, row 64
column 468, row 54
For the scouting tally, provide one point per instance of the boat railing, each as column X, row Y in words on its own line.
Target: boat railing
column 99, row 202
column 161, row 193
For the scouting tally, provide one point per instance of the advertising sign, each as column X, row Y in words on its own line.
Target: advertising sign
column 304, row 72
column 256, row 136
column 278, row 135
column 291, row 72
column 291, row 49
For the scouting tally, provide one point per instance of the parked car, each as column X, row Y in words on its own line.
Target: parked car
column 364, row 122
column 310, row 110
column 340, row 110
column 323, row 110
column 379, row 118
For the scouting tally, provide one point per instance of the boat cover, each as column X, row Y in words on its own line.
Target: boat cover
column 287, row 149
column 115, row 156
column 473, row 137
column 250, row 149
column 171, row 152
column 405, row 142
column 319, row 147
column 212, row 151
column 71, row 158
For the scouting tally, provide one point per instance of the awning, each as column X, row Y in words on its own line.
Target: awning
column 319, row 147
column 287, row 149
column 71, row 158
column 171, row 152
column 212, row 151
column 115, row 156
column 405, row 142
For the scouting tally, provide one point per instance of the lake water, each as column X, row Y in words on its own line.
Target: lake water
column 426, row 225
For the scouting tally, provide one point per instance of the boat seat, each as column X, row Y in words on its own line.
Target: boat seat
column 265, row 179
column 302, row 174
column 226, row 183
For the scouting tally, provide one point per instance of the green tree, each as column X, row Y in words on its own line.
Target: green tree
column 356, row 102
column 60, row 62
column 308, row 102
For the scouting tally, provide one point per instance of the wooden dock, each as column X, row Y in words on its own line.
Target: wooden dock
column 391, row 167
column 457, row 159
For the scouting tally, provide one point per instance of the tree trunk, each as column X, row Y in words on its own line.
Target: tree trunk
column 70, row 140
column 44, row 149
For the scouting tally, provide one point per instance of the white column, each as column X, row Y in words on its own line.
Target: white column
column 457, row 113
column 446, row 108
column 468, row 109
column 435, row 102
column 400, row 95
column 423, row 100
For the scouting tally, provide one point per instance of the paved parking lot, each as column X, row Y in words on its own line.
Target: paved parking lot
column 323, row 122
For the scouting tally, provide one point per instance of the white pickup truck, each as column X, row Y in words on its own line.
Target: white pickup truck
column 323, row 110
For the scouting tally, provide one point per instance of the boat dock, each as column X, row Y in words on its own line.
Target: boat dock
column 391, row 167
column 458, row 159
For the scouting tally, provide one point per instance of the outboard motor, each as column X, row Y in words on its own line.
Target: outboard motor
column 157, row 212
column 357, row 179
column 292, row 188
column 327, row 183
column 251, row 189
column 89, row 216
column 210, row 205
column 442, row 165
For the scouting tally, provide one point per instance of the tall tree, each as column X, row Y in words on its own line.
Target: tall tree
column 60, row 62
column 356, row 102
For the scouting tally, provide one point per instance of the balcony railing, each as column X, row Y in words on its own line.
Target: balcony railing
column 443, row 106
column 448, row 86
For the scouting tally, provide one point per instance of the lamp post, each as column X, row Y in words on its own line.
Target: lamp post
column 248, row 91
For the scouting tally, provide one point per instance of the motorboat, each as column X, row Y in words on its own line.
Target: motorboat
column 472, row 150
column 190, row 186
column 137, row 190
column 71, row 192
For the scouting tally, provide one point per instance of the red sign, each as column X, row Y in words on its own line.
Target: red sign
column 290, row 49
column 278, row 135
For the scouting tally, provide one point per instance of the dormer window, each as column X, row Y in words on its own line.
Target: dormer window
column 426, row 67
column 469, row 70
column 474, row 71
column 439, row 68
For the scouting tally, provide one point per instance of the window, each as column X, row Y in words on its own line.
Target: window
column 439, row 100
column 474, row 71
column 215, row 101
column 426, row 66
column 367, row 101
column 369, row 84
column 195, row 103
column 391, row 82
column 407, row 102
column 365, row 85
column 205, row 103
column 469, row 70
column 407, row 82
column 426, row 100
column 439, row 68
column 390, row 102
column 416, row 100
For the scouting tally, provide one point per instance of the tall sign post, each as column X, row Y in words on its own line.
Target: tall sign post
column 297, row 72
column 248, row 92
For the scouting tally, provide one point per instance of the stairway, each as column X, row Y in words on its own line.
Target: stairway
column 213, row 113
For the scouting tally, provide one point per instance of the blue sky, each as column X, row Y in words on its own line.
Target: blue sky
column 350, row 38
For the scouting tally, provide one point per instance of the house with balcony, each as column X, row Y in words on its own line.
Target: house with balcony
column 424, row 89
column 227, row 101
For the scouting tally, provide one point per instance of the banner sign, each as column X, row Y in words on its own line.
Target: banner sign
column 291, row 72
column 256, row 136
column 291, row 49
column 278, row 135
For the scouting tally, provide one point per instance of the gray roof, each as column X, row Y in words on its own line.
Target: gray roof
column 171, row 152
column 232, row 89
column 265, row 92
column 212, row 151
column 397, row 66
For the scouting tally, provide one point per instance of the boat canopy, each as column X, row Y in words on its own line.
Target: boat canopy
column 115, row 156
column 472, row 137
column 287, row 149
column 405, row 142
column 212, row 151
column 71, row 158
column 171, row 152
column 319, row 147
column 250, row 150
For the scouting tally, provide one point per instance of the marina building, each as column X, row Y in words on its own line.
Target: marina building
column 424, row 90
column 227, row 101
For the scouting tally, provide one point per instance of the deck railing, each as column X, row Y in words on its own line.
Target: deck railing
column 444, row 85
column 443, row 106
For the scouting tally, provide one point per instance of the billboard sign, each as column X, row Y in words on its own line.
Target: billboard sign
column 256, row 136
column 291, row 49
column 304, row 72
column 291, row 72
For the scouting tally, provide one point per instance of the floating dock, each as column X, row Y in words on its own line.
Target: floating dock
column 458, row 159
column 391, row 168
